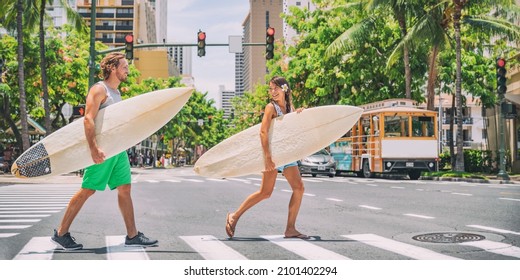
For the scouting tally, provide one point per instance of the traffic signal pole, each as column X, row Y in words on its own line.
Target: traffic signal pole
column 163, row 45
column 501, row 90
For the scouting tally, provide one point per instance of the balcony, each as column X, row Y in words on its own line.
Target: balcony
column 104, row 27
column 465, row 120
column 124, row 27
column 125, row 15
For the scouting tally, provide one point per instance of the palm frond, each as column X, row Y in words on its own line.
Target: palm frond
column 494, row 26
column 351, row 36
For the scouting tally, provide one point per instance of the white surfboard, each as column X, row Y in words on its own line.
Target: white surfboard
column 118, row 127
column 291, row 137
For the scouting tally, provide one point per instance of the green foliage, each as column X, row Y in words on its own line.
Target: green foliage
column 474, row 161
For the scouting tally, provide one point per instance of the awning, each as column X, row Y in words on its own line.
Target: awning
column 34, row 127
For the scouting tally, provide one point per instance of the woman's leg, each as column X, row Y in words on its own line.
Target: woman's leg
column 292, row 174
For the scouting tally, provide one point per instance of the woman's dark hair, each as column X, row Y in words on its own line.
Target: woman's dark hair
column 284, row 85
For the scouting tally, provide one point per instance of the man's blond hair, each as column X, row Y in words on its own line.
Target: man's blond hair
column 111, row 59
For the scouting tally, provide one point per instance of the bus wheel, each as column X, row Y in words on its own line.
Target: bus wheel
column 366, row 170
column 414, row 174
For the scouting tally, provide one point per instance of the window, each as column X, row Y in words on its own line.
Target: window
column 422, row 126
column 396, row 126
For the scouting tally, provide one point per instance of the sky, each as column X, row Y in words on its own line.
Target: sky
column 219, row 19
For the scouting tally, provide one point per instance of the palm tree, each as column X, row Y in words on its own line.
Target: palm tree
column 399, row 9
column 21, row 77
column 73, row 17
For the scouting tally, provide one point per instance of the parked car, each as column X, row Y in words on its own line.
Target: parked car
column 321, row 163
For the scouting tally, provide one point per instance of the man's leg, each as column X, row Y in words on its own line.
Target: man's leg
column 126, row 206
column 75, row 204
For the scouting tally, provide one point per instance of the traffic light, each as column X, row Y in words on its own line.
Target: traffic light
column 269, row 43
column 78, row 110
column 129, row 46
column 501, row 76
column 201, row 43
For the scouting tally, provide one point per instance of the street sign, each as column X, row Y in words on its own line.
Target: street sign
column 235, row 44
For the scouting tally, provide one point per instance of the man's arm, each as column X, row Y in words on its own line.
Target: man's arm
column 95, row 97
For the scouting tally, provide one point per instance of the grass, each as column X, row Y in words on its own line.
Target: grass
column 454, row 174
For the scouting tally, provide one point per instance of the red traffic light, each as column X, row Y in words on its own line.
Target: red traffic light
column 270, row 31
column 129, row 38
column 501, row 62
column 201, row 36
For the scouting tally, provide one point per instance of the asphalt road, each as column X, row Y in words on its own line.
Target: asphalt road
column 347, row 217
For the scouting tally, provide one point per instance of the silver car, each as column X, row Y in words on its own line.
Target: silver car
column 321, row 162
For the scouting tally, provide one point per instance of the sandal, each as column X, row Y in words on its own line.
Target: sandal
column 230, row 229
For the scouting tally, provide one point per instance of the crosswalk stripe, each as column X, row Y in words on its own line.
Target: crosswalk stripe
column 152, row 181
column 401, row 248
column 21, row 221
column 38, row 248
column 210, row 248
column 194, row 180
column 24, row 216
column 312, row 180
column 6, row 235
column 30, row 211
column 116, row 249
column 30, row 208
column 173, row 181
column 495, row 247
column 494, row 229
column 15, row 227
column 216, row 180
column 303, row 248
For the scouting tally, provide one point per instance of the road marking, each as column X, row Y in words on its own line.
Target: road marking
column 494, row 229
column 373, row 185
column 210, row 248
column 116, row 249
column 370, row 207
column 334, row 199
column 31, row 208
column 397, row 188
column 419, row 216
column 24, row 216
column 21, row 221
column 30, row 211
column 255, row 179
column 240, row 180
column 512, row 199
column 419, row 190
column 303, row 248
column 15, row 227
column 194, row 180
column 37, row 203
column 312, row 180
column 216, row 180
column 287, row 191
column 38, row 248
column 173, row 181
column 401, row 248
column 6, row 235
column 152, row 181
column 309, row 194
column 495, row 247
column 465, row 194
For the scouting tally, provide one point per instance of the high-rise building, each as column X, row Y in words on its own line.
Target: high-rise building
column 117, row 18
column 57, row 13
column 239, row 74
column 262, row 14
column 289, row 34
column 182, row 60
column 225, row 97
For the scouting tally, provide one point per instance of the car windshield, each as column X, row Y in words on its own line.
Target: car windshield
column 322, row 152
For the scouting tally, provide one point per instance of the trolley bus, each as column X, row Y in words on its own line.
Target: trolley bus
column 391, row 136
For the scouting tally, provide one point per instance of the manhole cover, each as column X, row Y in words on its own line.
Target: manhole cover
column 448, row 237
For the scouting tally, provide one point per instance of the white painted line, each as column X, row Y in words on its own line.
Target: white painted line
column 34, row 196
column 303, row 248
column 210, row 248
column 511, row 199
column 419, row 216
column 312, row 180
column 39, row 202
column 373, row 185
column 465, row 194
column 215, row 180
column 419, row 190
column 287, row 191
column 31, row 208
column 38, row 248
column 400, row 248
column 6, row 235
column 116, row 249
column 24, row 216
column 370, row 207
column 173, row 181
column 309, row 194
column 30, row 211
column 495, row 247
column 255, row 179
column 194, row 180
column 239, row 180
column 397, row 188
column 21, row 221
column 152, row 181
column 257, row 184
column 15, row 227
column 334, row 199
column 494, row 229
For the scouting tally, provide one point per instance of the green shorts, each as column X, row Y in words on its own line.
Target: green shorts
column 113, row 172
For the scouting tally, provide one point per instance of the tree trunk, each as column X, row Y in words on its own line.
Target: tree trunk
column 21, row 76
column 43, row 66
column 432, row 78
column 459, row 166
column 406, row 57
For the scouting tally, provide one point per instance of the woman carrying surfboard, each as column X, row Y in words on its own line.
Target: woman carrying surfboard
column 280, row 104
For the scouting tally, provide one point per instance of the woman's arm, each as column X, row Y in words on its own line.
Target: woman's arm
column 269, row 113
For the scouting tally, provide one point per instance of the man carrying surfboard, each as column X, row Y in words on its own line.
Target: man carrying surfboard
column 281, row 104
column 114, row 172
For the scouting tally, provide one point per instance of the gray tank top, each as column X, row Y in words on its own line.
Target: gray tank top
column 113, row 96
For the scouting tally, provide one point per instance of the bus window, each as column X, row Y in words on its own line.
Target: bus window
column 422, row 127
column 396, row 126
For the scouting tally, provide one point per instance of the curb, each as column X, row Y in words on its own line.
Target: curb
column 470, row 180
